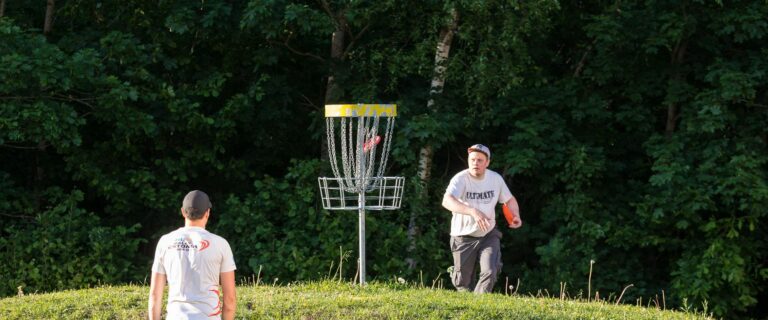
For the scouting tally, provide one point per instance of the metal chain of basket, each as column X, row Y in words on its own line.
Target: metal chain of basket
column 353, row 157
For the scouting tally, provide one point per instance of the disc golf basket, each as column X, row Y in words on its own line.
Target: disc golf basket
column 358, row 181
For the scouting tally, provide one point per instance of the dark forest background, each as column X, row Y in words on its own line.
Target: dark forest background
column 634, row 134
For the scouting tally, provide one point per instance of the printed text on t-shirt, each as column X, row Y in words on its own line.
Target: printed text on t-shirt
column 181, row 244
column 479, row 195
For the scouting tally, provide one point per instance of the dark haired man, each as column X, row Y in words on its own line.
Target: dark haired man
column 194, row 262
column 471, row 197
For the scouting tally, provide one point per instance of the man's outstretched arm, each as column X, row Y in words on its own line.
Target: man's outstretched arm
column 515, row 209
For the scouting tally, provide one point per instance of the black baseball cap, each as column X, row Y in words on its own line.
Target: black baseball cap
column 197, row 200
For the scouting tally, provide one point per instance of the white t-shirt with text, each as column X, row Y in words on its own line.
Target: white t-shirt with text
column 192, row 260
column 482, row 194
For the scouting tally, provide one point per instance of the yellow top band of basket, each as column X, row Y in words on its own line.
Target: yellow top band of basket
column 360, row 110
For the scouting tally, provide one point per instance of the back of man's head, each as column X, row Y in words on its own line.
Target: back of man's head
column 195, row 204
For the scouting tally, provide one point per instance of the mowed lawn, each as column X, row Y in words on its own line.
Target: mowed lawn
column 330, row 300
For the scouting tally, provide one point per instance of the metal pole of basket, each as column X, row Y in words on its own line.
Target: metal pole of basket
column 356, row 176
column 361, row 201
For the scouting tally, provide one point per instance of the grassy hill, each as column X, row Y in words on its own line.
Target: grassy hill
column 330, row 300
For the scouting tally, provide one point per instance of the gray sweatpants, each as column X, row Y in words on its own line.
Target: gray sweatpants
column 466, row 251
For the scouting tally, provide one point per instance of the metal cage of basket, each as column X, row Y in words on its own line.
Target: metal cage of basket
column 359, row 182
column 384, row 193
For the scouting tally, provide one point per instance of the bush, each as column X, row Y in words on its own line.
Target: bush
column 64, row 247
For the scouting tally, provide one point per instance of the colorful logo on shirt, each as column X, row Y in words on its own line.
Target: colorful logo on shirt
column 186, row 244
column 204, row 244
column 217, row 308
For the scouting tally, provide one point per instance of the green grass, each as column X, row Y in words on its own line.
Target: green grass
column 330, row 300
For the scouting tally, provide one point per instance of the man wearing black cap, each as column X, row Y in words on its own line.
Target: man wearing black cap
column 471, row 197
column 194, row 262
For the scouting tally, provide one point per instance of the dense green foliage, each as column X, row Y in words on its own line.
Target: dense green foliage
column 333, row 300
column 633, row 135
column 66, row 247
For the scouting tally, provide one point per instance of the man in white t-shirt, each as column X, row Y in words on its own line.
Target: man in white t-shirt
column 194, row 262
column 471, row 197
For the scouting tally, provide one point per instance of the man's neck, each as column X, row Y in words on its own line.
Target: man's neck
column 194, row 223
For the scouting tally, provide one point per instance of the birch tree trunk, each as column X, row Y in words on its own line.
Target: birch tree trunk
column 427, row 151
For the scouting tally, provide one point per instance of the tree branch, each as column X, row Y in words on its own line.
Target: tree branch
column 16, row 98
column 583, row 60
column 752, row 104
column 70, row 98
column 17, row 147
column 55, row 96
column 327, row 9
column 16, row 216
column 287, row 45
column 354, row 39
column 308, row 102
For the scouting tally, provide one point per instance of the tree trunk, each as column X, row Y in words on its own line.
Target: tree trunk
column 441, row 57
column 39, row 173
column 2, row 8
column 672, row 109
column 671, row 120
column 332, row 89
column 337, row 49
column 427, row 151
column 48, row 17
